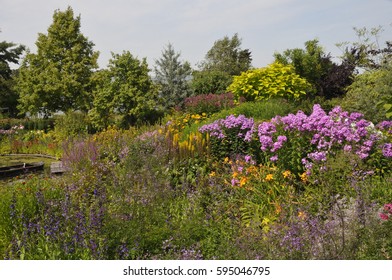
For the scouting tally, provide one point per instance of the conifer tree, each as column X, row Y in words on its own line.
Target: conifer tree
column 172, row 76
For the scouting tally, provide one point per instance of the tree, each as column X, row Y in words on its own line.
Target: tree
column 172, row 76
column 224, row 60
column 371, row 94
column 227, row 56
column 205, row 82
column 9, row 53
column 125, row 91
column 367, row 53
column 58, row 76
column 312, row 63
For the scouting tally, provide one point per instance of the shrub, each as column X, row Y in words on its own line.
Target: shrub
column 210, row 81
column 209, row 103
column 367, row 91
column 259, row 110
column 71, row 124
column 276, row 80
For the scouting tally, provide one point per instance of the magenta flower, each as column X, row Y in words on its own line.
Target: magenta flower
column 384, row 217
column 388, row 208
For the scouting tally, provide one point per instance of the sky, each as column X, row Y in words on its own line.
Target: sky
column 146, row 27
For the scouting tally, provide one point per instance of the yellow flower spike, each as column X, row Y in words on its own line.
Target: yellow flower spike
column 212, row 174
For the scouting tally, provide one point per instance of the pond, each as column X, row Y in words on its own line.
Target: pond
column 7, row 160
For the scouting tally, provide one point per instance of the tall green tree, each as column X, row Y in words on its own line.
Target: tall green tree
column 9, row 53
column 227, row 56
column 367, row 53
column 58, row 76
column 371, row 94
column 224, row 60
column 125, row 94
column 211, row 81
column 172, row 75
column 328, row 78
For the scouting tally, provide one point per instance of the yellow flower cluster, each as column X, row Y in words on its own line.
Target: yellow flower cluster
column 179, row 123
column 186, row 144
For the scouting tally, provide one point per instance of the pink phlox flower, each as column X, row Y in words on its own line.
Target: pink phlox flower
column 388, row 208
column 274, row 158
column 384, row 217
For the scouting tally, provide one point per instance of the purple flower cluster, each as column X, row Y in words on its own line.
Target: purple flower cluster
column 385, row 125
column 387, row 150
column 242, row 125
column 314, row 137
column 338, row 129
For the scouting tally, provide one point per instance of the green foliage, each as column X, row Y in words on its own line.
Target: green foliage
column 227, row 56
column 276, row 80
column 259, row 110
column 9, row 53
column 58, row 76
column 172, row 77
column 312, row 63
column 71, row 124
column 125, row 91
column 367, row 53
column 210, row 81
column 222, row 61
column 370, row 94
